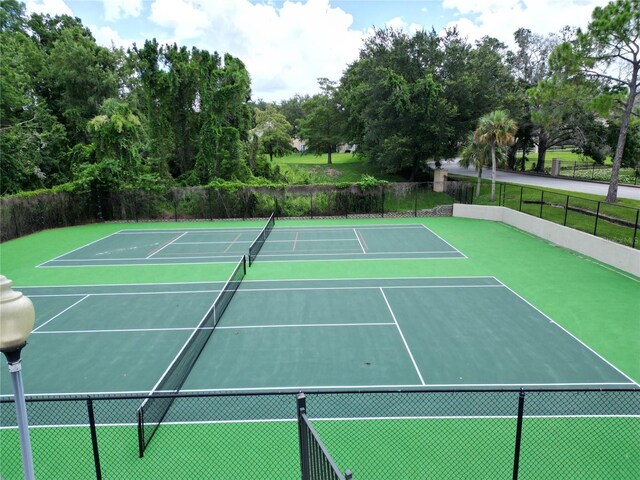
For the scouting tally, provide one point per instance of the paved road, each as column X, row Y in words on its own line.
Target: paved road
column 549, row 182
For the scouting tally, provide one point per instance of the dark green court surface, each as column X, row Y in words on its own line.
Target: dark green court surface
column 305, row 334
column 285, row 244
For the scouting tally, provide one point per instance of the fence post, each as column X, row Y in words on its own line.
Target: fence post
column 382, row 206
column 541, row 201
column 595, row 227
column 521, row 190
column 593, row 170
column 415, row 201
column 635, row 230
column 516, row 453
column 574, row 169
column 566, row 210
column 301, row 403
column 94, row 439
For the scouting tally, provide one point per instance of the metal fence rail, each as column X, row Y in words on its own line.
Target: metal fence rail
column 23, row 216
column 542, row 434
column 611, row 221
column 315, row 460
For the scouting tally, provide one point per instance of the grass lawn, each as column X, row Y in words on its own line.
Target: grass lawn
column 550, row 205
column 346, row 167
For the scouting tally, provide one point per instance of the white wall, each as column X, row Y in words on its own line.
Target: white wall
column 620, row 256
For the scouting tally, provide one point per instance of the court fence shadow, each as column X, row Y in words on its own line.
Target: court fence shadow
column 427, row 433
column 21, row 216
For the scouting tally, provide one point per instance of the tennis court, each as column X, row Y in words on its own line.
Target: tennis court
column 306, row 334
column 225, row 245
column 414, row 374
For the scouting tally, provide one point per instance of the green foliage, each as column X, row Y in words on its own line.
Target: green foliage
column 273, row 131
column 324, row 124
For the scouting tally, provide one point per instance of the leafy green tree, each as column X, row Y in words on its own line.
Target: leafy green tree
column 324, row 124
column 398, row 113
column 113, row 159
column 608, row 51
column 495, row 129
column 273, row 131
column 293, row 111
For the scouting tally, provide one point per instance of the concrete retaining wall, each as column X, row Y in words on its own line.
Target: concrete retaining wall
column 620, row 256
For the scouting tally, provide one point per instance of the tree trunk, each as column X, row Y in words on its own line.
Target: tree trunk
column 493, row 172
column 479, row 182
column 329, row 156
column 511, row 156
column 612, row 194
column 414, row 169
column 543, row 145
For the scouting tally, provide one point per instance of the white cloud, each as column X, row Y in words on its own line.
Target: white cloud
column 117, row 9
column 108, row 37
column 48, row 7
column 500, row 18
column 286, row 47
column 399, row 23
column 185, row 17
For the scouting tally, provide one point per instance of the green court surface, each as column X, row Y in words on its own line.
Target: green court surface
column 202, row 245
column 512, row 311
column 307, row 334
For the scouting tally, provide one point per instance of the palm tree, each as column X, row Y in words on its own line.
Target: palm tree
column 495, row 129
column 476, row 154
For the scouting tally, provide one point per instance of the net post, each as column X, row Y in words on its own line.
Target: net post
column 94, row 439
column 244, row 264
column 516, row 454
column 301, row 408
column 140, row 432
column 348, row 475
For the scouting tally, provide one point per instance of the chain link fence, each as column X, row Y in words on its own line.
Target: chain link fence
column 21, row 216
column 440, row 434
column 611, row 221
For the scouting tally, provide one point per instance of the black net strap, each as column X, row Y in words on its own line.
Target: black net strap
column 255, row 247
column 153, row 409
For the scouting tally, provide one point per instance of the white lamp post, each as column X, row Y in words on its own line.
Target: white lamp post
column 17, row 317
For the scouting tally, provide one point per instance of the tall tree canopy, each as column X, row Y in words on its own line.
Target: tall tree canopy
column 608, row 51
column 323, row 126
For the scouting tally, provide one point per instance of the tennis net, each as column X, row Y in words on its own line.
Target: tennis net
column 262, row 237
column 154, row 408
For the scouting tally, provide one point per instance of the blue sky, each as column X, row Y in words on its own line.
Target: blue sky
column 288, row 45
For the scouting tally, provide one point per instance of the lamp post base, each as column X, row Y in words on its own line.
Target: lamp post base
column 15, row 368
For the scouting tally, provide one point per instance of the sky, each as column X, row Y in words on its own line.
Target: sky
column 287, row 45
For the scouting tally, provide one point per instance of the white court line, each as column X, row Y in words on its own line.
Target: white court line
column 76, row 249
column 258, row 281
column 291, row 289
column 571, row 335
column 339, row 419
column 116, row 294
column 443, row 240
column 238, row 327
column 358, row 237
column 158, row 250
column 402, row 336
column 56, row 316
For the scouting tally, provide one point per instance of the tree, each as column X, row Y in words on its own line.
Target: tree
column 497, row 130
column 477, row 154
column 324, row 124
column 114, row 160
column 398, row 113
column 608, row 51
column 273, row 132
column 293, row 111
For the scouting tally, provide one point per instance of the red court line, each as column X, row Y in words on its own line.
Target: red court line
column 295, row 241
column 231, row 244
